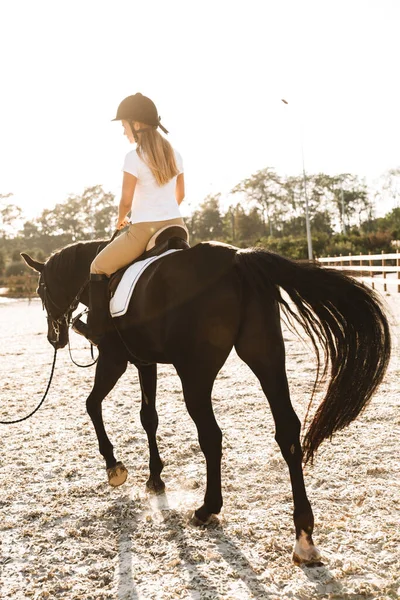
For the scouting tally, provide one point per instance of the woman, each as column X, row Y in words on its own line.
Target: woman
column 152, row 189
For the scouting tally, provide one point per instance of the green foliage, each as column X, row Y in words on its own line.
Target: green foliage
column 269, row 212
column 292, row 246
column 30, row 230
column 263, row 190
column 40, row 255
column 289, row 246
column 9, row 215
column 390, row 222
column 88, row 216
column 356, row 243
column 21, row 286
column 16, row 268
column 2, row 262
column 242, row 228
column 207, row 222
column 16, row 256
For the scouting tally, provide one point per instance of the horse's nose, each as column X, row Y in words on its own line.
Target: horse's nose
column 58, row 344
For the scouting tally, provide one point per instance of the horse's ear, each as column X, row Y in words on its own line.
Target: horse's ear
column 34, row 264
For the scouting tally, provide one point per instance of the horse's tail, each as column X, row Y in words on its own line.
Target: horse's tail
column 340, row 315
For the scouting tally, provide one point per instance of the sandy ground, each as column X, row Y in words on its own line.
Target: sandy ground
column 66, row 534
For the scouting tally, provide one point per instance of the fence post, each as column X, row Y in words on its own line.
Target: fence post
column 361, row 274
column 371, row 274
column 384, row 274
column 398, row 272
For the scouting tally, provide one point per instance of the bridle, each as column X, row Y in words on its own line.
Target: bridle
column 65, row 317
column 56, row 322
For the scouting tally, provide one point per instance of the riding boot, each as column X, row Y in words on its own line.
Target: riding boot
column 98, row 316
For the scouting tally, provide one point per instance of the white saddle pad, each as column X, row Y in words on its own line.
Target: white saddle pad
column 120, row 301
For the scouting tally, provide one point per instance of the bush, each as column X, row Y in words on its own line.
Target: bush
column 40, row 256
column 2, row 263
column 16, row 268
column 358, row 244
column 21, row 286
column 288, row 246
column 16, row 256
column 294, row 247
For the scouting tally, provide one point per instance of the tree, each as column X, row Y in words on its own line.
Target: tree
column 391, row 186
column 264, row 191
column 47, row 223
column 351, row 195
column 344, row 196
column 293, row 199
column 2, row 262
column 30, row 230
column 249, row 225
column 81, row 217
column 207, row 223
column 16, row 256
column 9, row 216
column 104, row 213
column 16, row 268
column 389, row 223
column 321, row 222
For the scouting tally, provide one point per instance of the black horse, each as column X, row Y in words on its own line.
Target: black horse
column 190, row 309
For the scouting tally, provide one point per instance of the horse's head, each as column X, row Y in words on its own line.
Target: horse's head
column 57, row 317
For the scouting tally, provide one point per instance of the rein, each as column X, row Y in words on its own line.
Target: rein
column 91, row 348
column 65, row 317
column 42, row 400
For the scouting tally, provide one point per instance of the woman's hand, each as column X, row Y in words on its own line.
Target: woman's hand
column 125, row 204
column 122, row 223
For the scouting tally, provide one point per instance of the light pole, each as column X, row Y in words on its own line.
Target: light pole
column 308, row 227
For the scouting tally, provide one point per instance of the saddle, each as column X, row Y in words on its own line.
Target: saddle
column 170, row 237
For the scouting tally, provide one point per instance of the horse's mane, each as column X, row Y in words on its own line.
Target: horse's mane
column 72, row 257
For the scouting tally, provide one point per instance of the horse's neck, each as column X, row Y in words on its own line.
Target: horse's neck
column 76, row 275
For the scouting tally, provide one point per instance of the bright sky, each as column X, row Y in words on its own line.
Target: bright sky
column 217, row 71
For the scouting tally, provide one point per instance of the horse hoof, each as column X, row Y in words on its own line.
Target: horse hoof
column 117, row 475
column 197, row 521
column 312, row 562
column 305, row 553
column 155, row 486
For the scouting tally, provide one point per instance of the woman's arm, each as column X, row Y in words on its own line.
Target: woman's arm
column 125, row 204
column 180, row 188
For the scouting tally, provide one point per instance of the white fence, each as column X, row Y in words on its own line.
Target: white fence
column 382, row 269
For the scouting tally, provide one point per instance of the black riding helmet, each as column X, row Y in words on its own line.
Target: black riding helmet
column 139, row 108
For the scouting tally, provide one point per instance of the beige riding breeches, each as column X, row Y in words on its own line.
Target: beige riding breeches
column 127, row 246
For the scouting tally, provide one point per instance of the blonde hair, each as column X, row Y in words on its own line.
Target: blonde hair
column 158, row 154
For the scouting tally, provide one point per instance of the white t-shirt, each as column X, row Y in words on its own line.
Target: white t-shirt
column 151, row 202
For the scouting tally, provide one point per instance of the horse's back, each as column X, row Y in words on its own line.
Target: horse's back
column 187, row 299
column 183, row 277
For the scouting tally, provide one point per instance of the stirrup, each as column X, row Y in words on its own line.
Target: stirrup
column 83, row 329
column 79, row 326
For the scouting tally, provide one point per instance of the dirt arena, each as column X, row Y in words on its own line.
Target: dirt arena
column 66, row 534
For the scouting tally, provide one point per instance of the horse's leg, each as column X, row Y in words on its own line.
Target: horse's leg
column 260, row 344
column 149, row 420
column 108, row 370
column 197, row 383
